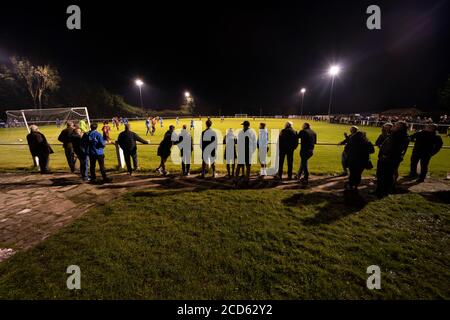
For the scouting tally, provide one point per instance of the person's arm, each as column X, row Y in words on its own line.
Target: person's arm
column 61, row 137
column 437, row 145
column 140, row 139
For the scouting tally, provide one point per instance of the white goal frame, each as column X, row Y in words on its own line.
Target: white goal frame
column 75, row 110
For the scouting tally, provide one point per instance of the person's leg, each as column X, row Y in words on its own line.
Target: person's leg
column 213, row 167
column 229, row 169
column 127, row 156
column 183, row 168
column 414, row 161
column 135, row 160
column 188, row 168
column 93, row 163
column 43, row 163
column 101, row 164
column 238, row 170
column 424, row 162
column 305, row 165
column 70, row 158
column 83, row 168
column 233, row 169
column 344, row 163
column 290, row 162
column 247, row 173
column 203, row 168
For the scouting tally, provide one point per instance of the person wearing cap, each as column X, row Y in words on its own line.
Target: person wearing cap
column 427, row 143
column 39, row 148
column 208, row 144
column 308, row 139
column 230, row 154
column 246, row 146
column 353, row 130
column 65, row 138
column 287, row 143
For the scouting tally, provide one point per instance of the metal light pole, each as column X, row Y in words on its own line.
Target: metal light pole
column 303, row 98
column 139, row 83
column 333, row 71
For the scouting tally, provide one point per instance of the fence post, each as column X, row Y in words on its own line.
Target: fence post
column 120, row 157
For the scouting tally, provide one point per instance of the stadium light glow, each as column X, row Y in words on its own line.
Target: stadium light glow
column 334, row 70
column 187, row 94
column 303, row 90
column 139, row 82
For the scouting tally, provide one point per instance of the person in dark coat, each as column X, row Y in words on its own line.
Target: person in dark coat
column 353, row 130
column 127, row 142
column 39, row 148
column 358, row 150
column 186, row 147
column 208, row 144
column 246, row 147
column 164, row 150
column 427, row 144
column 385, row 131
column 65, row 137
column 391, row 154
column 308, row 139
column 79, row 147
column 287, row 143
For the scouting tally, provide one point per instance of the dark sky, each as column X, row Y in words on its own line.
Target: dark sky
column 242, row 57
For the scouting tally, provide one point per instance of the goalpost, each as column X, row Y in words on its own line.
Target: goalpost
column 240, row 115
column 43, row 117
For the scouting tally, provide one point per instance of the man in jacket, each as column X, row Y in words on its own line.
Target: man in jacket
column 358, row 150
column 308, row 139
column 79, row 147
column 427, row 144
column 164, row 150
column 65, row 137
column 127, row 141
column 287, row 143
column 39, row 148
column 391, row 154
column 95, row 145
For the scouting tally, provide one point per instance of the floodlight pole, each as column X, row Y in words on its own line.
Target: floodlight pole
column 331, row 95
column 140, row 94
column 301, row 109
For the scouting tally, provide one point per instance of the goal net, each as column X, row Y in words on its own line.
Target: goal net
column 240, row 115
column 56, row 117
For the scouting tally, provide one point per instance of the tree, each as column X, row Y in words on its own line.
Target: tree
column 37, row 80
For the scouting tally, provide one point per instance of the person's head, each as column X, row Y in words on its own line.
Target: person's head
column 230, row 131
column 262, row 125
column 184, row 126
column 127, row 127
column 288, row 125
column 69, row 124
column 353, row 129
column 94, row 126
column 77, row 131
column 431, row 127
column 208, row 123
column 246, row 124
column 171, row 127
column 387, row 127
column 400, row 126
column 306, row 125
column 34, row 128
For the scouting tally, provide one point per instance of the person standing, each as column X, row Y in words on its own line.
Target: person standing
column 287, row 143
column 39, row 148
column 177, row 120
column 246, row 146
column 153, row 126
column 263, row 148
column 127, row 142
column 308, row 139
column 164, row 150
column 95, row 145
column 353, row 130
column 427, row 143
column 192, row 124
column 161, row 122
column 83, row 125
column 230, row 154
column 208, row 144
column 65, row 137
column 105, row 130
column 391, row 154
column 148, row 125
column 358, row 150
column 79, row 147
column 185, row 145
column 385, row 132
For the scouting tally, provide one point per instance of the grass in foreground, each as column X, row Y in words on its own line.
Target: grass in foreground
column 241, row 244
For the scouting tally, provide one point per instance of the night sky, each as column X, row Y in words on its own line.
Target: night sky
column 242, row 57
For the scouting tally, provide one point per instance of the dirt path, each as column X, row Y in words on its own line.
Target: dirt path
column 32, row 207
